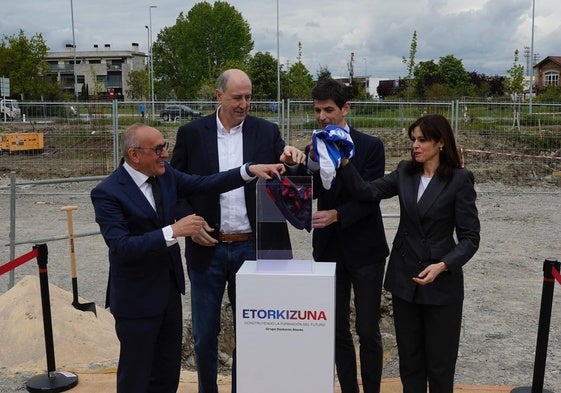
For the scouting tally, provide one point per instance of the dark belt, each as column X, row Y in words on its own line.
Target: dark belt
column 235, row 237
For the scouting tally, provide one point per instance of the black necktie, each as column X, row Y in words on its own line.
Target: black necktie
column 157, row 193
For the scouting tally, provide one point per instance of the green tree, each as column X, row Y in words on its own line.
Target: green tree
column 323, row 73
column 425, row 75
column 198, row 47
column 21, row 60
column 410, row 62
column 139, row 84
column 300, row 80
column 454, row 75
column 513, row 82
column 550, row 93
column 262, row 69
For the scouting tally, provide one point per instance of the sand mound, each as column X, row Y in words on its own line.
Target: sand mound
column 81, row 341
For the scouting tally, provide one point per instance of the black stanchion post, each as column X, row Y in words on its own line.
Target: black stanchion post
column 53, row 381
column 543, row 329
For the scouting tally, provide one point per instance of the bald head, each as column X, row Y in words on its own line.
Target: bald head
column 230, row 77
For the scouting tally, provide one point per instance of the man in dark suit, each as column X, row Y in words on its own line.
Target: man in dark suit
column 135, row 208
column 215, row 143
column 351, row 233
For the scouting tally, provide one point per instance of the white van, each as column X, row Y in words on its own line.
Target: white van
column 9, row 110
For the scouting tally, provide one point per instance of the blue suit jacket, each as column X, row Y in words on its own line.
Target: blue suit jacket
column 196, row 152
column 140, row 261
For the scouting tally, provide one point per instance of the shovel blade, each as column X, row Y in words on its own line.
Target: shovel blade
column 85, row 307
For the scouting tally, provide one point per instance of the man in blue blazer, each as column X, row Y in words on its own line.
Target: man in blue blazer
column 146, row 277
column 351, row 233
column 205, row 146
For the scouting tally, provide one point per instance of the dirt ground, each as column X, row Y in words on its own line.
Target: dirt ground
column 520, row 229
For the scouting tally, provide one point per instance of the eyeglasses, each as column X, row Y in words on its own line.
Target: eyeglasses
column 158, row 149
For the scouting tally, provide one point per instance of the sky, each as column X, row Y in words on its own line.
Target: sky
column 482, row 33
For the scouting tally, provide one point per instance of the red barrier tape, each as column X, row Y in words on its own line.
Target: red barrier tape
column 496, row 153
column 19, row 261
column 556, row 274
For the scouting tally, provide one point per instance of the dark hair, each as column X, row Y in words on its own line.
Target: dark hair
column 436, row 128
column 328, row 88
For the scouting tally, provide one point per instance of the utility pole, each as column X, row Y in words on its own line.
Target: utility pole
column 350, row 65
column 74, row 50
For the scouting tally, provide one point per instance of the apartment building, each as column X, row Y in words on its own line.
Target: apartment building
column 104, row 71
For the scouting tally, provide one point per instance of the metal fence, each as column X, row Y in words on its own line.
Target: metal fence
column 501, row 141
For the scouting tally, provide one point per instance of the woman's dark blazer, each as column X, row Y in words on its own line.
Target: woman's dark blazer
column 426, row 230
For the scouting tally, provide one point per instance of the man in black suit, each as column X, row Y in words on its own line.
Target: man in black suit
column 205, row 146
column 351, row 233
column 135, row 208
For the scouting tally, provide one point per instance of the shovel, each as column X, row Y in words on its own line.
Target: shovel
column 77, row 305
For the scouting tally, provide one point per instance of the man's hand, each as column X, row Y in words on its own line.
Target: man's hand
column 266, row 171
column 188, row 225
column 324, row 218
column 292, row 156
column 311, row 151
column 203, row 237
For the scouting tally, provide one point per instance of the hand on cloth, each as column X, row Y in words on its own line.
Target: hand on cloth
column 265, row 171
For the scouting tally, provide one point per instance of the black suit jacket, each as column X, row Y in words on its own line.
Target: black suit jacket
column 359, row 233
column 140, row 261
column 196, row 152
column 426, row 230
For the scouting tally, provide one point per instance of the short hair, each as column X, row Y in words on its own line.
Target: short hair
column 130, row 138
column 329, row 88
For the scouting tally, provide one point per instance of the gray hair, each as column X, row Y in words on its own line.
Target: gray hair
column 130, row 138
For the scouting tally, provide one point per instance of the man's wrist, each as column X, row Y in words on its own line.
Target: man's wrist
column 247, row 171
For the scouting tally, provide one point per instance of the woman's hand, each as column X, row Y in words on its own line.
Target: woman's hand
column 430, row 273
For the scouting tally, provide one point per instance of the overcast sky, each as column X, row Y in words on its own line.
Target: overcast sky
column 482, row 33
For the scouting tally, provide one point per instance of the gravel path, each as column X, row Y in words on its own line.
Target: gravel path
column 520, row 229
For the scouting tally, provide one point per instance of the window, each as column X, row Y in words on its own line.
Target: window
column 551, row 78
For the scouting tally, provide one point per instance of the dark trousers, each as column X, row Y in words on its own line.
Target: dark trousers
column 427, row 337
column 150, row 350
column 366, row 283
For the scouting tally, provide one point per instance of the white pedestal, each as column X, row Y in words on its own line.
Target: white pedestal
column 285, row 327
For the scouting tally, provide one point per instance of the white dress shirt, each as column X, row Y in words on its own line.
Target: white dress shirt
column 233, row 213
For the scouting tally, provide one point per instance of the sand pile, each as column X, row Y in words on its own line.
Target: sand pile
column 81, row 341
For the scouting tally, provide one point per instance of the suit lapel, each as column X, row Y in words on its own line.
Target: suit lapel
column 135, row 195
column 210, row 144
column 248, row 137
column 435, row 187
column 410, row 199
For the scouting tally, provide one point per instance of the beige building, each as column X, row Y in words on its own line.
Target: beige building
column 104, row 70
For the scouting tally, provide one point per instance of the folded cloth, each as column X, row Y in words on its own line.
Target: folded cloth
column 330, row 145
column 295, row 203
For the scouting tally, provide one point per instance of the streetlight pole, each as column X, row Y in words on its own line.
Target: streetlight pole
column 74, row 50
column 532, row 59
column 278, row 65
column 148, row 65
column 151, row 61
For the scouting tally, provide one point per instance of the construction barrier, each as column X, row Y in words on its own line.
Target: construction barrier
column 53, row 381
column 550, row 274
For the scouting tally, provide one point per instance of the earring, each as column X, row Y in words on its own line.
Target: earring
column 441, row 148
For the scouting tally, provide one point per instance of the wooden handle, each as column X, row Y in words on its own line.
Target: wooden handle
column 69, row 210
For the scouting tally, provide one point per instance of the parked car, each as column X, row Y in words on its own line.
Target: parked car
column 172, row 112
column 9, row 110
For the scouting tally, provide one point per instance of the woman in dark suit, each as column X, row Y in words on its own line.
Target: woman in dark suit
column 424, row 274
